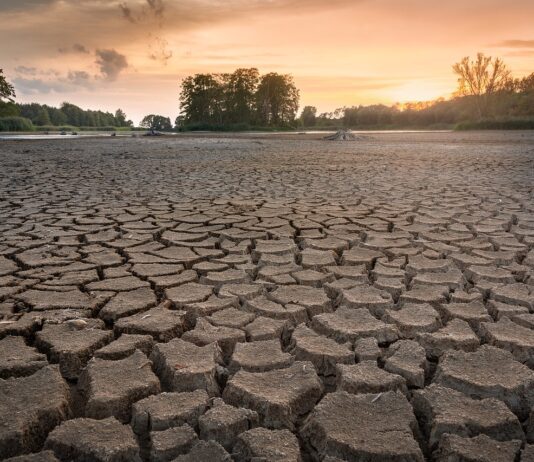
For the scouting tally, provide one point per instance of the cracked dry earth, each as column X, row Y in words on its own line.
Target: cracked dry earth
column 268, row 298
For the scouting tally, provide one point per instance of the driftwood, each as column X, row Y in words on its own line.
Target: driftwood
column 342, row 135
column 153, row 132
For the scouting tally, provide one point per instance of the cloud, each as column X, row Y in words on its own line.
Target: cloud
column 34, row 71
column 34, row 81
column 515, row 44
column 79, row 48
column 36, row 86
column 159, row 51
column 76, row 48
column 25, row 70
column 520, row 53
column 80, row 78
column 157, row 7
column 127, row 13
column 111, row 63
column 14, row 5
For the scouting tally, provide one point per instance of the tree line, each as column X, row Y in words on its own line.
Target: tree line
column 487, row 96
column 67, row 115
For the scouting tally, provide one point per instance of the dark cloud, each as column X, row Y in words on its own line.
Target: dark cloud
column 154, row 7
column 80, row 48
column 516, row 44
column 111, row 63
column 76, row 48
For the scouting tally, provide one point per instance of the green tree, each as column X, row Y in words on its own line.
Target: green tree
column 277, row 100
column 8, row 109
column 156, row 122
column 121, row 120
column 7, row 91
column 179, row 123
column 202, row 98
column 309, row 116
column 481, row 78
column 75, row 115
column 43, row 118
column 56, row 116
column 240, row 90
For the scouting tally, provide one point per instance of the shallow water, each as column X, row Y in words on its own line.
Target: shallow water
column 57, row 136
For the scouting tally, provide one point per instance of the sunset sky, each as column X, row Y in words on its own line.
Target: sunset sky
column 106, row 54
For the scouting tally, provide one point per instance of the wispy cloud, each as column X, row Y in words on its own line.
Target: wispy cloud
column 32, row 80
column 127, row 13
column 159, row 50
column 18, row 5
column 26, row 70
column 520, row 53
column 156, row 6
column 35, row 86
column 515, row 44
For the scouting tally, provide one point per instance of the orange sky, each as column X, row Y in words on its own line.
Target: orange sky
column 132, row 54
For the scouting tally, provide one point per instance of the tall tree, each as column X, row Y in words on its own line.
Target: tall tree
column 240, row 89
column 156, row 122
column 57, row 116
column 277, row 99
column 121, row 120
column 43, row 118
column 526, row 84
column 75, row 115
column 481, row 78
column 7, row 91
column 309, row 116
column 202, row 98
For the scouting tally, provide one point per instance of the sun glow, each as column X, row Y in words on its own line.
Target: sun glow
column 419, row 90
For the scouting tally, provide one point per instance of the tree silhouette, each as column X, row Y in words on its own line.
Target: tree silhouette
column 481, row 78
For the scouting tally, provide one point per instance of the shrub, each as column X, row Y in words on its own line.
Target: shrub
column 498, row 124
column 15, row 124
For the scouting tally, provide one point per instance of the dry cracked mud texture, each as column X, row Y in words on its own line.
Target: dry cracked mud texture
column 268, row 298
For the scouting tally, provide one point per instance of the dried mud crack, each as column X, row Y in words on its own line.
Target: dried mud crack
column 220, row 298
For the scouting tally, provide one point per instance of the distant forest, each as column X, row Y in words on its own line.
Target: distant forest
column 66, row 116
column 486, row 97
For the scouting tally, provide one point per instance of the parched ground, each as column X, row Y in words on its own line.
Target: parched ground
column 263, row 298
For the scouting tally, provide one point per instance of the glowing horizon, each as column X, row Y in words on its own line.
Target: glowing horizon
column 132, row 54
